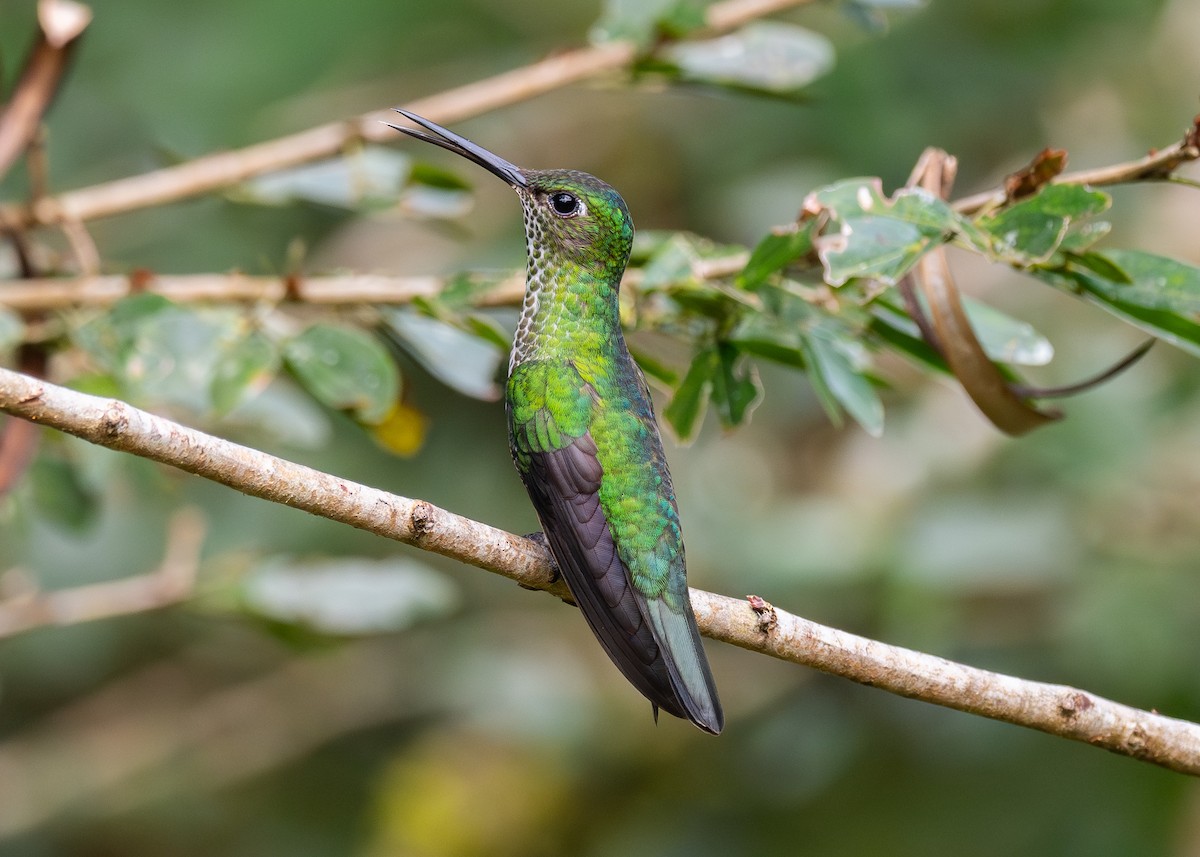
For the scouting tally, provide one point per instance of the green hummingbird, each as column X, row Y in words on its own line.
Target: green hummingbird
column 584, row 439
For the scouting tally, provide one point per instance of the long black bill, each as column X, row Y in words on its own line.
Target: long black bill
column 462, row 146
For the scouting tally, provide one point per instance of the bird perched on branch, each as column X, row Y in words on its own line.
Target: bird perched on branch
column 584, row 439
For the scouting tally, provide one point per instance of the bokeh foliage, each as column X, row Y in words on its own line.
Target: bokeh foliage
column 322, row 695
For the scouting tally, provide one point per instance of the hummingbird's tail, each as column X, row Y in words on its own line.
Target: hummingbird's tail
column 691, row 678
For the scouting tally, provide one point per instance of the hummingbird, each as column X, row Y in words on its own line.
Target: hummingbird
column 584, row 439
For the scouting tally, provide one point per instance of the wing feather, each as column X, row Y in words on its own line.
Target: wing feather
column 564, row 485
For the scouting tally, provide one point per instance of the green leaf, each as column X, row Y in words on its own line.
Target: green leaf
column 647, row 242
column 370, row 177
column 1006, row 339
column 1084, row 235
column 837, row 376
column 162, row 352
column 735, row 387
column 432, row 175
column 1161, row 295
column 893, row 326
column 778, row 249
column 671, row 264
column 462, row 290
column 489, row 330
column 246, row 366
column 61, row 495
column 685, row 411
column 871, row 236
column 1100, row 264
column 763, row 56
column 645, row 21
column 348, row 597
column 1029, row 231
column 345, row 369
column 655, row 368
column 12, row 330
column 462, row 361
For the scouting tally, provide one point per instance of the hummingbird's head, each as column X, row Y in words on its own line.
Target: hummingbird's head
column 569, row 216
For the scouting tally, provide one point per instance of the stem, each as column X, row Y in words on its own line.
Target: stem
column 222, row 169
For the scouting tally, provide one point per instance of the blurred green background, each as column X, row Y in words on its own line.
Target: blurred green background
column 492, row 723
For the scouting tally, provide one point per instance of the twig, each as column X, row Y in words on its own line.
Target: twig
column 51, row 293
column 171, row 583
column 1156, row 165
column 751, row 624
column 223, row 169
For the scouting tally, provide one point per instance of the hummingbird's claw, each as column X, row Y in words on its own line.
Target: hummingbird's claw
column 540, row 538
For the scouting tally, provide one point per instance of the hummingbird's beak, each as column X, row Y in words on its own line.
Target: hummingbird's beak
column 461, row 146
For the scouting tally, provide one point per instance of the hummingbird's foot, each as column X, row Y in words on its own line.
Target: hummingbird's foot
column 540, row 538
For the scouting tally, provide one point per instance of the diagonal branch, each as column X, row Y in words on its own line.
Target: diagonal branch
column 222, row 169
column 750, row 623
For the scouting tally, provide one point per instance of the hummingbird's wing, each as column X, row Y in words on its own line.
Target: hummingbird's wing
column 654, row 644
column 564, row 485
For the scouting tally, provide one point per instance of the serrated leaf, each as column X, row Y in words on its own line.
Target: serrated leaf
column 763, row 56
column 685, row 411
column 345, row 369
column 462, row 361
column 242, row 368
column 372, row 176
column 872, row 236
column 1029, row 231
column 775, row 251
column 348, row 597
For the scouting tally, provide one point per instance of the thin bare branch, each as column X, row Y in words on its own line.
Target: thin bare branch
column 223, row 169
column 54, row 293
column 751, row 623
column 1158, row 164
column 171, row 583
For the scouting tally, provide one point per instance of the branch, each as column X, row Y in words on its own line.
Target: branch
column 223, row 169
column 1158, row 164
column 52, row 293
column 750, row 623
column 171, row 583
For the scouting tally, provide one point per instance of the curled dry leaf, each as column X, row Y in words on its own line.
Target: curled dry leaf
column 1031, row 178
column 948, row 328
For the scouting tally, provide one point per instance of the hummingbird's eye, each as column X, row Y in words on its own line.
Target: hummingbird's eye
column 565, row 204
